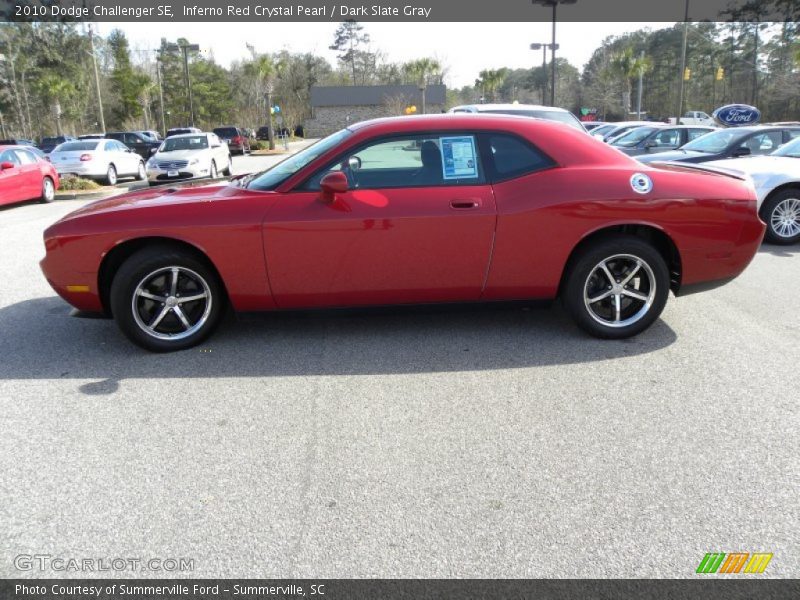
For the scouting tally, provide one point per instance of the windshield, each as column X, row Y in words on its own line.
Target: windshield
column 51, row 140
column 633, row 137
column 711, row 143
column 77, row 146
column 272, row 178
column 792, row 149
column 550, row 115
column 192, row 142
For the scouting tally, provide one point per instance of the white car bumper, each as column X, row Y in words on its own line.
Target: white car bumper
column 156, row 173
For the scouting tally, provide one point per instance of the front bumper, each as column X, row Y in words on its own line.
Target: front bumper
column 154, row 174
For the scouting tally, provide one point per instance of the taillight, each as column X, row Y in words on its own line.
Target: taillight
column 237, row 139
column 85, row 157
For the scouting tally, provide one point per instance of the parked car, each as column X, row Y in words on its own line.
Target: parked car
column 438, row 208
column 48, row 143
column 776, row 177
column 550, row 113
column 653, row 139
column 106, row 160
column 92, row 136
column 181, row 131
column 188, row 156
column 263, row 133
column 25, row 176
column 618, row 130
column 732, row 142
column 695, row 117
column 153, row 135
column 143, row 146
column 600, row 131
column 592, row 125
column 235, row 137
column 17, row 142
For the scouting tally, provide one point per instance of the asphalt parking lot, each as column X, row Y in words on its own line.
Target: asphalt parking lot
column 470, row 443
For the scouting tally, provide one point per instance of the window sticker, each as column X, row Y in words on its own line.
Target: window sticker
column 459, row 157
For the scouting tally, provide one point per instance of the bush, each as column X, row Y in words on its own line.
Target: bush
column 77, row 184
column 257, row 145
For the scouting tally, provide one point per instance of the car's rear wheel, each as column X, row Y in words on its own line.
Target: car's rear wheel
column 616, row 287
column 48, row 190
column 229, row 168
column 781, row 213
column 141, row 173
column 111, row 175
column 166, row 299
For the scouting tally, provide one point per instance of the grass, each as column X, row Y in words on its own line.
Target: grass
column 77, row 184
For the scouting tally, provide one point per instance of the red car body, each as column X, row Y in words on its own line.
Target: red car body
column 20, row 181
column 504, row 240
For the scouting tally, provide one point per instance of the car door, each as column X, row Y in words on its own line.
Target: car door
column 664, row 140
column 219, row 150
column 760, row 143
column 416, row 224
column 135, row 142
column 30, row 174
column 11, row 185
column 126, row 159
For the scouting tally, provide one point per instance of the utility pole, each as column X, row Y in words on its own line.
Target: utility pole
column 97, row 83
column 160, row 93
column 755, row 68
column 270, row 131
column 639, row 93
column 683, row 64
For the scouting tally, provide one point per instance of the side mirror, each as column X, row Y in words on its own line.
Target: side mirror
column 6, row 165
column 153, row 150
column 650, row 144
column 332, row 184
column 742, row 151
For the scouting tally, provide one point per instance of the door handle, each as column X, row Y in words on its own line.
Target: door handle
column 465, row 203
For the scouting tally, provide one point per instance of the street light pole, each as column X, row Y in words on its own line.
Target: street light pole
column 161, row 94
column 683, row 64
column 270, row 131
column 553, row 46
column 97, row 83
column 544, row 47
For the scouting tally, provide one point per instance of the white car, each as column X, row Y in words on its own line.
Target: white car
column 550, row 113
column 107, row 160
column 189, row 156
column 776, row 177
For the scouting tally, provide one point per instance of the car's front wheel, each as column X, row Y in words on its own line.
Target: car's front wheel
column 781, row 213
column 229, row 169
column 141, row 173
column 212, row 171
column 166, row 299
column 616, row 287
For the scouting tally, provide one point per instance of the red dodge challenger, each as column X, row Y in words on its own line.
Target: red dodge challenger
column 428, row 209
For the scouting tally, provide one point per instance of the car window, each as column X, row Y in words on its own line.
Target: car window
column 410, row 161
column 668, row 137
column 764, row 143
column 77, row 146
column 189, row 142
column 793, row 133
column 696, row 133
column 25, row 157
column 513, row 157
column 9, row 156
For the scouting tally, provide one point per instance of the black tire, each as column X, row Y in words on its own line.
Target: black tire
column 212, row 170
column 48, row 190
column 781, row 213
column 229, row 168
column 141, row 173
column 111, row 175
column 150, row 270
column 587, row 279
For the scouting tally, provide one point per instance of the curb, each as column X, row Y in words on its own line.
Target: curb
column 93, row 195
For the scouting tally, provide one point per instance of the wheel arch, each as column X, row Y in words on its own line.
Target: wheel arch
column 655, row 236
column 115, row 257
column 778, row 189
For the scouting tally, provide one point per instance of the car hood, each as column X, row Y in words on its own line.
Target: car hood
column 156, row 196
column 179, row 155
column 762, row 164
column 672, row 155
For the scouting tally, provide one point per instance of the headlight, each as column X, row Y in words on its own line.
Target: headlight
column 194, row 161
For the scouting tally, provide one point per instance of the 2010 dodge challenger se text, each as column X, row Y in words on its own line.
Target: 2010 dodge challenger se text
column 428, row 209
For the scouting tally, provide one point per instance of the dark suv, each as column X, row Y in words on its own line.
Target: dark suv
column 49, row 143
column 143, row 146
column 235, row 137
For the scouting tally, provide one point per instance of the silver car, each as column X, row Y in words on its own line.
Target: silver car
column 106, row 160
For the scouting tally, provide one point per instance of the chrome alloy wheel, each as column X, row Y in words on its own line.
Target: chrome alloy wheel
column 171, row 303
column 619, row 290
column 785, row 218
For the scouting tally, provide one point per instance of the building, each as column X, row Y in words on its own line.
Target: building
column 336, row 107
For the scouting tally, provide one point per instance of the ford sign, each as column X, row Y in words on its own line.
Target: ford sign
column 737, row 115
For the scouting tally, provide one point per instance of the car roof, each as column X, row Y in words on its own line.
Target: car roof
column 508, row 106
column 192, row 134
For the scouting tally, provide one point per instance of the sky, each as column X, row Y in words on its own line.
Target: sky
column 463, row 48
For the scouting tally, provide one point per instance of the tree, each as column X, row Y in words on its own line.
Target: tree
column 627, row 66
column 347, row 41
column 129, row 84
column 489, row 80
